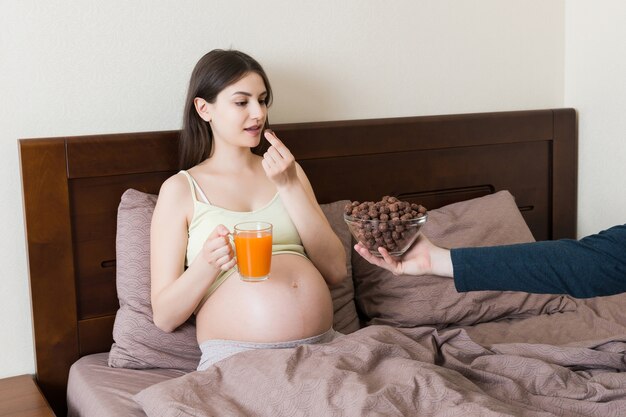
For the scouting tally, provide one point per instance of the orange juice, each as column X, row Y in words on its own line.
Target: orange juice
column 254, row 252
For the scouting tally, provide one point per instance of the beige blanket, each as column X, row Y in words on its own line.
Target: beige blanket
column 385, row 371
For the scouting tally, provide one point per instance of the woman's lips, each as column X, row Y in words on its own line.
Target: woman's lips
column 253, row 130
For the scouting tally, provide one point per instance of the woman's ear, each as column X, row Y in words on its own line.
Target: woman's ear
column 202, row 107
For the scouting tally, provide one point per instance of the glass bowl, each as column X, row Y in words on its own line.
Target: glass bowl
column 395, row 235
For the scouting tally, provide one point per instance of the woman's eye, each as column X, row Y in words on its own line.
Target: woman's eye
column 241, row 103
column 263, row 102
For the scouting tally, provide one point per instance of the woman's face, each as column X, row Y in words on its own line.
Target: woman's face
column 239, row 112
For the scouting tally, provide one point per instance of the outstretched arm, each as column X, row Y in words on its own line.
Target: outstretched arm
column 592, row 266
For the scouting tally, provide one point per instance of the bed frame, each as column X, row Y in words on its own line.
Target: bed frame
column 72, row 187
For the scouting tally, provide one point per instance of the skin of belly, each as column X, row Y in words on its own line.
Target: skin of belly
column 293, row 303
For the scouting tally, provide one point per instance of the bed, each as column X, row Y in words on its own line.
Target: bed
column 410, row 347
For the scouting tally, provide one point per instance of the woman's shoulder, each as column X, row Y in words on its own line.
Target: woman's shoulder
column 174, row 199
column 175, row 186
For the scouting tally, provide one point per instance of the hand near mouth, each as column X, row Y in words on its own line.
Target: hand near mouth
column 278, row 162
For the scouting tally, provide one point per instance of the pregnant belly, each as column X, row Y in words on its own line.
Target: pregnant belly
column 293, row 303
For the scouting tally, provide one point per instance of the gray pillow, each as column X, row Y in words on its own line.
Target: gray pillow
column 138, row 343
column 407, row 301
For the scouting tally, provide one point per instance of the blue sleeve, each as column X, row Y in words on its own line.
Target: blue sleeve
column 590, row 267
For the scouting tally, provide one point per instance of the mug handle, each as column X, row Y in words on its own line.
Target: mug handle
column 231, row 237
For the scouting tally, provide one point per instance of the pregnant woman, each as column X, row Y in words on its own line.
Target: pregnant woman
column 235, row 170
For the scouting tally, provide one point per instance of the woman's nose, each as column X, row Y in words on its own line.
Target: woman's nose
column 257, row 111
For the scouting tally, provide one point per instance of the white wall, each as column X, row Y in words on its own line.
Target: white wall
column 595, row 84
column 74, row 68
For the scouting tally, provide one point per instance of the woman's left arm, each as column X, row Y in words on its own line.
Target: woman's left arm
column 322, row 245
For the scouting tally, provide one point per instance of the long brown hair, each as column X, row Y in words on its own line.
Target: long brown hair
column 214, row 71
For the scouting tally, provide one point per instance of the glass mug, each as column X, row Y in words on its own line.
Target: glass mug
column 253, row 248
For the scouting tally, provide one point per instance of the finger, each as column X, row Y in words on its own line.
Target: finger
column 220, row 230
column 215, row 244
column 274, row 154
column 269, row 157
column 359, row 247
column 277, row 143
column 271, row 136
column 222, row 251
column 266, row 166
column 386, row 256
column 365, row 253
column 228, row 265
column 389, row 260
column 270, row 166
column 223, row 260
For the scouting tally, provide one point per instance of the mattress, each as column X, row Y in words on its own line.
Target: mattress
column 96, row 390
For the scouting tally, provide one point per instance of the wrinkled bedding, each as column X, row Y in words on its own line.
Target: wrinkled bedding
column 564, row 364
column 95, row 389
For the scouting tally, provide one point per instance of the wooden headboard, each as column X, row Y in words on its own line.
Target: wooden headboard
column 72, row 187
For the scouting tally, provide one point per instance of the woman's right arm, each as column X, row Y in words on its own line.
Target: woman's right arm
column 176, row 292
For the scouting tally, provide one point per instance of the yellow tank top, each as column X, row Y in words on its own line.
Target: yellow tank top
column 206, row 217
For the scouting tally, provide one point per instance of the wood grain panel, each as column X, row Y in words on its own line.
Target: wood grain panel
column 565, row 174
column 353, row 137
column 439, row 198
column 20, row 397
column 97, row 293
column 124, row 153
column 522, row 168
column 94, row 202
column 51, row 263
column 95, row 335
